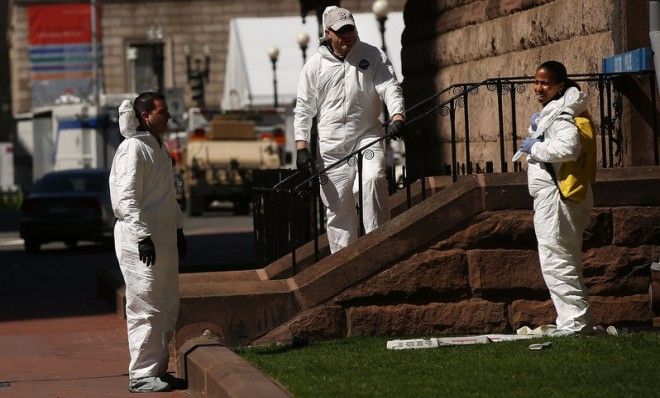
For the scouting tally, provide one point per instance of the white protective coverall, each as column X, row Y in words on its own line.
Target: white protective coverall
column 143, row 201
column 559, row 223
column 346, row 98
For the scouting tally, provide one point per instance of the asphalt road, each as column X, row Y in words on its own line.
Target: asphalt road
column 59, row 282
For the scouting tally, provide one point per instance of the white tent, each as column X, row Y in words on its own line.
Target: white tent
column 249, row 75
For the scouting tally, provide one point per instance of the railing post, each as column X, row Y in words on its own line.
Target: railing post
column 292, row 228
column 408, row 194
column 610, row 125
column 360, row 200
column 514, row 132
column 654, row 119
column 452, row 120
column 466, row 125
column 500, row 113
column 603, row 121
column 314, row 197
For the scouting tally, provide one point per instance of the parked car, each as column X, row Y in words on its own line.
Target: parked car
column 68, row 206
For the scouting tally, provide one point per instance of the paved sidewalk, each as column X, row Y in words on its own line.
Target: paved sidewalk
column 74, row 357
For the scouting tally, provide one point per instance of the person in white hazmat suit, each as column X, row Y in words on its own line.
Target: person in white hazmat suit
column 342, row 84
column 558, row 223
column 149, row 240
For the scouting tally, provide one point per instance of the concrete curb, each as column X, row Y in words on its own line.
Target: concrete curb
column 216, row 371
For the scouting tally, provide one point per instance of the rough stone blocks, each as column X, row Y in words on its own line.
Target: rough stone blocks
column 469, row 316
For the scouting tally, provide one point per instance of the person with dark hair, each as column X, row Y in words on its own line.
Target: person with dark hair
column 558, row 222
column 149, row 240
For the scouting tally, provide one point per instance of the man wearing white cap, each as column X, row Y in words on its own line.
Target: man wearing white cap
column 343, row 84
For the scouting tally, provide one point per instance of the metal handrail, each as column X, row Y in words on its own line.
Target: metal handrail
column 386, row 125
column 503, row 86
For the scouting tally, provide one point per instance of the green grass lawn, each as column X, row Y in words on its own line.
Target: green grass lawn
column 602, row 366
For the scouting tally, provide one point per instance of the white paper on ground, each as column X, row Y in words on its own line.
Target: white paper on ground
column 434, row 342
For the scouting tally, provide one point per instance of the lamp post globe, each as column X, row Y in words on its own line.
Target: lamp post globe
column 273, row 54
column 303, row 41
column 380, row 8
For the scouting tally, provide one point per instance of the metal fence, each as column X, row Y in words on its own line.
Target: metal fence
column 287, row 203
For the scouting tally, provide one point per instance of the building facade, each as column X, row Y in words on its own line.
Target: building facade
column 445, row 42
column 145, row 43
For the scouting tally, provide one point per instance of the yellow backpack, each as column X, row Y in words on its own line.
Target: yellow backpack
column 575, row 176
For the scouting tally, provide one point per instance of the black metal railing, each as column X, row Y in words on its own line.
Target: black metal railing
column 296, row 195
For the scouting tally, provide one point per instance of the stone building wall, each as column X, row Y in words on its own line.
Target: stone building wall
column 470, row 40
column 487, row 279
column 194, row 22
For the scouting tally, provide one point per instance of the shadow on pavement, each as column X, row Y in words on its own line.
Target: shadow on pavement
column 61, row 282
column 53, row 282
column 9, row 220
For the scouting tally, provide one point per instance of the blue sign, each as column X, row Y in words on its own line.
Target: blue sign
column 633, row 61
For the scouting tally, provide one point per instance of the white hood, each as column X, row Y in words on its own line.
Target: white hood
column 128, row 122
column 573, row 102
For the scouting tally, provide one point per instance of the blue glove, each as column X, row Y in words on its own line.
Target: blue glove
column 526, row 146
column 534, row 121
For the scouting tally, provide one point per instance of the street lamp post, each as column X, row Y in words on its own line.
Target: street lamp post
column 380, row 9
column 273, row 53
column 303, row 41
column 198, row 75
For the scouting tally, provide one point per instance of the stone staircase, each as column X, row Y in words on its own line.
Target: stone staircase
column 462, row 261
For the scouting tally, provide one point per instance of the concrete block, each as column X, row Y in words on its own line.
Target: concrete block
column 636, row 225
column 505, row 272
column 319, row 323
column 424, row 276
column 631, row 310
column 512, row 229
column 532, row 313
column 618, row 271
column 467, row 316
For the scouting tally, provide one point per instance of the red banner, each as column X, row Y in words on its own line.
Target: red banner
column 59, row 24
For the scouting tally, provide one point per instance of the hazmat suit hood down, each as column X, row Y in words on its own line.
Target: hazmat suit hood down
column 128, row 121
column 562, row 139
column 143, row 201
column 558, row 223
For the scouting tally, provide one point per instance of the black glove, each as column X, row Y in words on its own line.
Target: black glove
column 181, row 243
column 395, row 129
column 305, row 162
column 147, row 251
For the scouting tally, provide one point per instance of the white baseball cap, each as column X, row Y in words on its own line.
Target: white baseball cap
column 336, row 18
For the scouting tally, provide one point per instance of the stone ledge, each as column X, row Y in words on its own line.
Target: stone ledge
column 216, row 371
column 425, row 276
column 467, row 316
column 497, row 270
column 318, row 323
column 241, row 310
